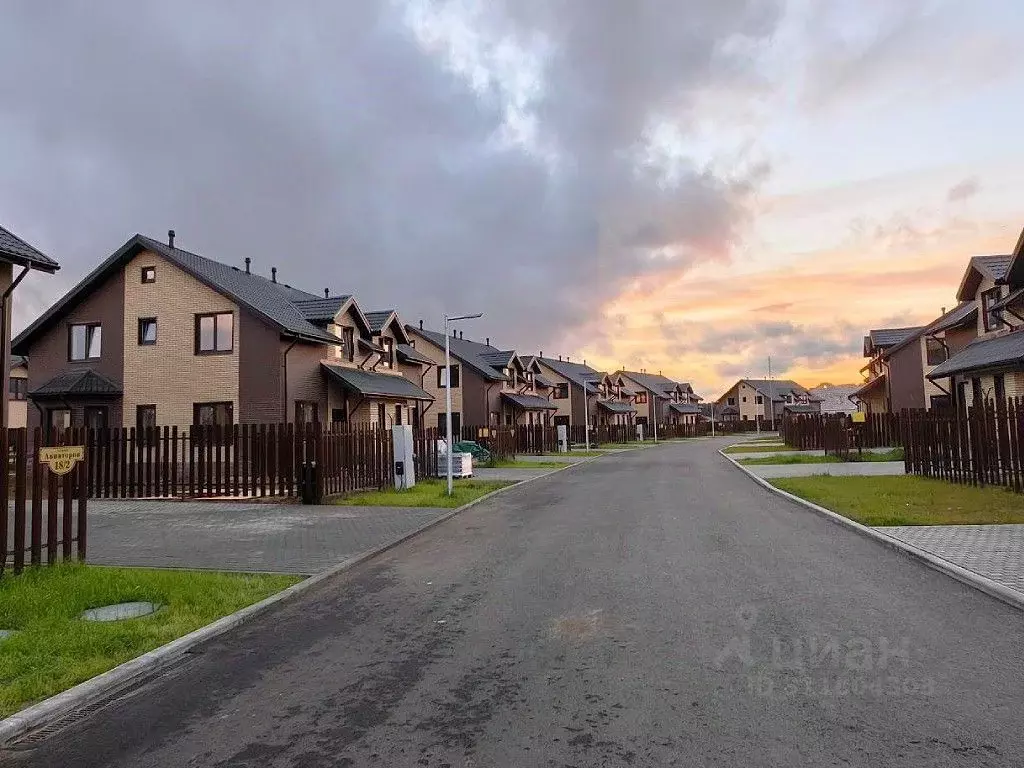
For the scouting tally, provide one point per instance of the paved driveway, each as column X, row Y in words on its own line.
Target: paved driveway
column 241, row 537
column 658, row 610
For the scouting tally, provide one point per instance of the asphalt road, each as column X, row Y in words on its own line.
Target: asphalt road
column 656, row 608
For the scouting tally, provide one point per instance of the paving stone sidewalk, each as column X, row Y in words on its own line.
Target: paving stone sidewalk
column 242, row 537
column 994, row 551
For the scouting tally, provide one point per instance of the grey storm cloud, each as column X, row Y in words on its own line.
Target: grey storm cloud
column 324, row 139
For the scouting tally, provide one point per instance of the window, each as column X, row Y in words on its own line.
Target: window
column 935, row 351
column 348, row 344
column 759, row 400
column 17, row 388
column 204, row 414
column 731, row 401
column 398, row 415
column 744, row 399
column 145, row 416
column 641, row 398
column 442, row 425
column 561, row 391
column 382, row 416
column 442, row 377
column 388, row 360
column 58, row 418
column 147, row 331
column 215, row 333
column 338, row 415
column 149, row 274
column 95, row 417
column 992, row 320
column 84, row 341
column 941, row 403
column 305, row 412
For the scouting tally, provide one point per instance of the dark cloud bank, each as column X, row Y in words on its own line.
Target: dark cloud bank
column 319, row 137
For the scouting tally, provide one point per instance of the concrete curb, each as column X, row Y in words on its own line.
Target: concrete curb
column 123, row 675
column 982, row 583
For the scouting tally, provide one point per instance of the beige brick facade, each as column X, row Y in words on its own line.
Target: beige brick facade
column 168, row 373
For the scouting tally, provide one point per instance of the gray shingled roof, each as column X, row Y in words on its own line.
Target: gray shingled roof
column 578, row 373
column 777, row 389
column 887, row 337
column 614, row 407
column 529, row 402
column 374, row 384
column 962, row 313
column 17, row 251
column 653, row 382
column 409, row 354
column 83, row 382
column 541, row 380
column 499, row 359
column 378, row 318
column 321, row 310
column 996, row 266
column 470, row 353
column 684, row 407
column 273, row 302
column 982, row 353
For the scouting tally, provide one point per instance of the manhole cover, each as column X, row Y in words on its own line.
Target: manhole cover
column 119, row 611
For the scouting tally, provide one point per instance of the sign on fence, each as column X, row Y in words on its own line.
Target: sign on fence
column 61, row 459
column 858, row 417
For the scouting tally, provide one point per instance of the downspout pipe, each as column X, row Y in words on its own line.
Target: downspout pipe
column 284, row 403
column 5, row 344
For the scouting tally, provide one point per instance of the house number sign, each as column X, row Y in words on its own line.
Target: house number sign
column 61, row 459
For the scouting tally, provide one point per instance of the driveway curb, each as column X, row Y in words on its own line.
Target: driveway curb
column 122, row 676
column 982, row 583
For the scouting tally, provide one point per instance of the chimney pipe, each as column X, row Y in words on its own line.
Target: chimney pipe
column 421, row 325
column 170, row 238
column 943, row 310
column 454, row 333
column 559, row 358
column 273, row 274
column 327, row 293
column 248, row 261
column 488, row 341
column 541, row 353
column 460, row 334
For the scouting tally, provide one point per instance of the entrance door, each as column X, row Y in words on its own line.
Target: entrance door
column 95, row 416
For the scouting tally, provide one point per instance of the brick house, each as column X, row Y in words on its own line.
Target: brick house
column 17, row 391
column 156, row 335
column 765, row 400
column 574, row 392
column 660, row 398
column 902, row 359
column 489, row 386
column 991, row 366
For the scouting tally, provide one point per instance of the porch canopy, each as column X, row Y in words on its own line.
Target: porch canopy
column 613, row 407
column 799, row 408
column 684, row 408
column 528, row 402
column 372, row 384
column 78, row 384
column 871, row 385
column 408, row 354
column 999, row 352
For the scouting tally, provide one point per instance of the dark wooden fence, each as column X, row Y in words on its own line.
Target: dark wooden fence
column 806, row 432
column 982, row 447
column 43, row 511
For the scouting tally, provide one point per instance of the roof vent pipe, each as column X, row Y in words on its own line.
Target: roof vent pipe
column 273, row 274
column 460, row 334
column 170, row 238
column 559, row 358
column 421, row 324
column 327, row 293
column 454, row 333
column 488, row 341
column 248, row 262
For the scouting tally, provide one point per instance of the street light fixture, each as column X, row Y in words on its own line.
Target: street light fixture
column 448, row 389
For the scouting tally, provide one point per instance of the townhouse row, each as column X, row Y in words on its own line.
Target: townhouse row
column 157, row 335
column 972, row 353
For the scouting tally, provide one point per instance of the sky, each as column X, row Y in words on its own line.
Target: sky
column 689, row 188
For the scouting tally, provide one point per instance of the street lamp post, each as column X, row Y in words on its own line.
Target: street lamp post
column 448, row 389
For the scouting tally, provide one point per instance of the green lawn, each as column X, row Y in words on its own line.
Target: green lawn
column 758, row 449
column 896, row 454
column 907, row 500
column 426, row 493
column 517, row 464
column 53, row 650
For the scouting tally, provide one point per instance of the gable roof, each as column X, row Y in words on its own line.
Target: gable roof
column 962, row 313
column 880, row 339
column 321, row 310
column 580, row 374
column 17, row 251
column 653, row 382
column 470, row 353
column 979, row 267
column 776, row 389
column 408, row 353
column 274, row 303
column 380, row 319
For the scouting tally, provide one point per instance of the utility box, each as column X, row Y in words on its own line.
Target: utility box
column 563, row 438
column 640, row 432
column 405, row 464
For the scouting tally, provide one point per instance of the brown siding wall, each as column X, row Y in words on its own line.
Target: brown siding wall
column 906, row 379
column 260, row 372
column 305, row 380
column 49, row 354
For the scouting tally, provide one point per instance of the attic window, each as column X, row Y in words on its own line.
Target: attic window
column 149, row 274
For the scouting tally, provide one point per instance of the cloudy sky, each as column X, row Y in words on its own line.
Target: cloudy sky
column 682, row 185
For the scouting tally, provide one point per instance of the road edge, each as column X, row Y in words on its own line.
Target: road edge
column 982, row 583
column 123, row 675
